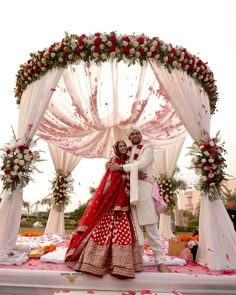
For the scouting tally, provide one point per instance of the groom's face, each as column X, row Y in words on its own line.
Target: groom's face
column 135, row 137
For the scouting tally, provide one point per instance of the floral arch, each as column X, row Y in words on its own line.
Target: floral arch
column 81, row 93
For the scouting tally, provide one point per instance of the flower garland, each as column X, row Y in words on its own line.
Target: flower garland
column 167, row 188
column 209, row 163
column 137, row 152
column 18, row 164
column 62, row 187
column 102, row 47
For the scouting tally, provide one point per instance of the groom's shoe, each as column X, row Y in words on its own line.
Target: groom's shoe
column 162, row 268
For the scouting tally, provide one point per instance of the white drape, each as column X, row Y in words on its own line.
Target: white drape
column 166, row 154
column 217, row 250
column 65, row 163
column 34, row 102
column 93, row 104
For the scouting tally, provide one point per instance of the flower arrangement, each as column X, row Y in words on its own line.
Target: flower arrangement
column 101, row 47
column 19, row 162
column 62, row 188
column 209, row 163
column 167, row 188
column 49, row 248
column 31, row 234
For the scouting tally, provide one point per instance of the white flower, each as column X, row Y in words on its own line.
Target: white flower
column 212, row 143
column 112, row 54
column 104, row 56
column 19, row 156
column 203, row 160
column 206, row 153
column 211, row 160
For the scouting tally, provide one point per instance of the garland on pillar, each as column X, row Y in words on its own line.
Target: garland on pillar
column 209, row 163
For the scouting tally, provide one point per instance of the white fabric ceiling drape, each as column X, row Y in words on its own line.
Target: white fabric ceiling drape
column 65, row 163
column 166, row 154
column 217, row 245
column 33, row 105
column 92, row 106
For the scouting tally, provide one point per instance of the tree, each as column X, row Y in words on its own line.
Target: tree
column 27, row 206
column 229, row 197
column 78, row 213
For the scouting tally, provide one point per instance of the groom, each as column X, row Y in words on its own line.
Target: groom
column 142, row 205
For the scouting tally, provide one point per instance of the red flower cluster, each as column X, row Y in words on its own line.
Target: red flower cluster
column 101, row 47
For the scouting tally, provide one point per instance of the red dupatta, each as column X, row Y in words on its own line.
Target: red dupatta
column 111, row 193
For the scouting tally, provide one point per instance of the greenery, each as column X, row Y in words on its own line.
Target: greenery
column 209, row 163
column 101, row 47
column 229, row 198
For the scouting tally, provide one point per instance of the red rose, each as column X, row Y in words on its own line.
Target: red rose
column 97, row 41
column 126, row 50
column 112, row 38
column 173, row 50
column 7, row 171
column 97, row 49
column 81, row 43
column 141, row 40
column 112, row 48
column 8, row 151
column 127, row 39
column 78, row 51
column 97, row 34
column 37, row 71
column 141, row 50
column 21, row 147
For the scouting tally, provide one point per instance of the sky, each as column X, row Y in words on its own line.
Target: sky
column 205, row 27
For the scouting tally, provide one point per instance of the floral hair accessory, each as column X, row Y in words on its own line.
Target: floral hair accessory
column 209, row 163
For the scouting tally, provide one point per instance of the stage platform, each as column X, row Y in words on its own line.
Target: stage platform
column 40, row 277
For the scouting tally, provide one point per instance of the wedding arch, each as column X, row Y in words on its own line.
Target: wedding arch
column 81, row 93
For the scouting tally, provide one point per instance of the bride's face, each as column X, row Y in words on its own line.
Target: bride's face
column 122, row 148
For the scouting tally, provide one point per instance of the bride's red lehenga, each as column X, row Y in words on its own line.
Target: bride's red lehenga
column 105, row 241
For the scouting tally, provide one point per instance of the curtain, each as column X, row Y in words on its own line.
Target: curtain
column 65, row 163
column 93, row 104
column 217, row 245
column 166, row 154
column 33, row 104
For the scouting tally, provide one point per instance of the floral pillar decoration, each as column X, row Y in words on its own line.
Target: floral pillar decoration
column 62, row 187
column 19, row 162
column 168, row 192
column 209, row 163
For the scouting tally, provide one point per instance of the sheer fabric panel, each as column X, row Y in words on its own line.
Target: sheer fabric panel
column 166, row 154
column 66, row 163
column 33, row 104
column 192, row 106
column 92, row 106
